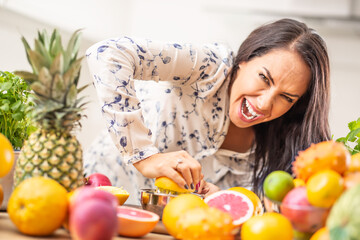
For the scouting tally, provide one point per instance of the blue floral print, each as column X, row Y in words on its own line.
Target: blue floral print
column 161, row 97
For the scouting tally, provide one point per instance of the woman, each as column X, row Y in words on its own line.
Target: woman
column 209, row 116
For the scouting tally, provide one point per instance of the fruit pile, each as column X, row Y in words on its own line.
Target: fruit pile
column 318, row 199
column 219, row 216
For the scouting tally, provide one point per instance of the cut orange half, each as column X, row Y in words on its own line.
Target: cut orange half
column 121, row 194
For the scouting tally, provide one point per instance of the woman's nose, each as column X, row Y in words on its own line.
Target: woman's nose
column 265, row 101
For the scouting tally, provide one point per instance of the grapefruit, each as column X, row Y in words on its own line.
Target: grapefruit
column 258, row 207
column 134, row 222
column 236, row 204
column 176, row 207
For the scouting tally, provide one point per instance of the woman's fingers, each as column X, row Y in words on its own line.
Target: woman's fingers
column 169, row 165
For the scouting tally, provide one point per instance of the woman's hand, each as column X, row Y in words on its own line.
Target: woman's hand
column 169, row 165
column 207, row 188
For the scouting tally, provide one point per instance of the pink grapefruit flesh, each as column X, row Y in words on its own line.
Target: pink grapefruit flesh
column 236, row 204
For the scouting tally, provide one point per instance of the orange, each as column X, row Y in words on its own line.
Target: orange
column 1, row 194
column 121, row 194
column 324, row 187
column 299, row 182
column 268, row 226
column 351, row 179
column 354, row 165
column 258, row 207
column 6, row 156
column 206, row 223
column 277, row 184
column 134, row 222
column 176, row 207
column 38, row 206
column 321, row 234
column 165, row 183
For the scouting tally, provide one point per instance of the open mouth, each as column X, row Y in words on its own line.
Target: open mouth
column 247, row 111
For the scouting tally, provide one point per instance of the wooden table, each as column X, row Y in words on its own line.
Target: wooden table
column 9, row 231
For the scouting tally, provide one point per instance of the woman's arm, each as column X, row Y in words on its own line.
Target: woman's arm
column 115, row 63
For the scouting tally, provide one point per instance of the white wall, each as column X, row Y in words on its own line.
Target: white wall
column 187, row 20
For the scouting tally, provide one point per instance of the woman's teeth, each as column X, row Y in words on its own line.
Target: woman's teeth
column 247, row 111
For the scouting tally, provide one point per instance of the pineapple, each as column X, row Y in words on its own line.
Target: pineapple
column 52, row 151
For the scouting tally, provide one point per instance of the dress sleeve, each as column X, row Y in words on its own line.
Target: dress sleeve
column 114, row 65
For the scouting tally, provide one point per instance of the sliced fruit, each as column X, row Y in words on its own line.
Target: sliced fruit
column 134, row 222
column 268, row 226
column 324, row 188
column 176, row 207
column 277, row 184
column 258, row 207
column 237, row 204
column 120, row 193
column 166, row 185
column 206, row 223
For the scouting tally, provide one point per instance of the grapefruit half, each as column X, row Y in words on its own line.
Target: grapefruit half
column 236, row 204
column 134, row 222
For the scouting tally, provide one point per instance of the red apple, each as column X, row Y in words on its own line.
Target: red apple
column 84, row 194
column 96, row 180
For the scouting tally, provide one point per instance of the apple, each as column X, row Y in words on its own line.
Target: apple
column 96, row 180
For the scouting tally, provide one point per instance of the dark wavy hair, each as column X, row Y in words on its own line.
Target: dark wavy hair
column 278, row 141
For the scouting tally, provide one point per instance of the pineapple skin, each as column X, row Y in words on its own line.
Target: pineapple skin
column 57, row 155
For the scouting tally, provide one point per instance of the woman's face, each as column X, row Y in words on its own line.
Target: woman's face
column 266, row 87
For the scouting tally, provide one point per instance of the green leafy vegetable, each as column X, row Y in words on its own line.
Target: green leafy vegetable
column 14, row 102
column 352, row 139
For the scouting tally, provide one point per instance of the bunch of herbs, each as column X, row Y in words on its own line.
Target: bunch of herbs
column 352, row 139
column 14, row 102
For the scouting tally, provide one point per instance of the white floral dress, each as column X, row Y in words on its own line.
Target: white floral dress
column 162, row 97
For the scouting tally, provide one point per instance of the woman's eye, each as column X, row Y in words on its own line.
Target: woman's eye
column 290, row 100
column 264, row 78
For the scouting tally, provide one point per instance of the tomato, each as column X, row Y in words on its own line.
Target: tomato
column 324, row 187
column 6, row 156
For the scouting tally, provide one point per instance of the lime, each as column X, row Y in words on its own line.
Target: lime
column 277, row 184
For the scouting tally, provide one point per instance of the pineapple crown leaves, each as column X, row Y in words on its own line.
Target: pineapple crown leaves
column 54, row 79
